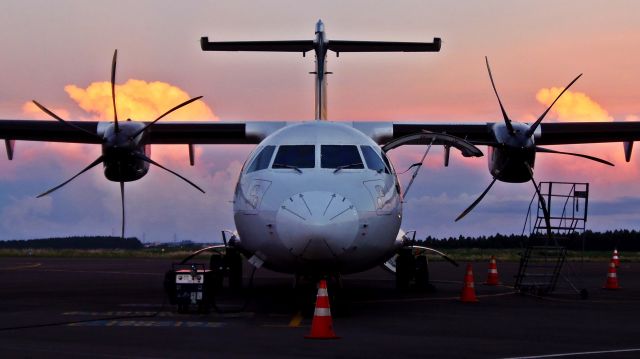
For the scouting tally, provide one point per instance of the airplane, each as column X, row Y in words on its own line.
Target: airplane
column 320, row 197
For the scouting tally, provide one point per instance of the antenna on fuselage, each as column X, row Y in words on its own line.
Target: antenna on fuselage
column 320, row 45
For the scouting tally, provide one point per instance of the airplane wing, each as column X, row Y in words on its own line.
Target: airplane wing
column 159, row 133
column 252, row 132
column 557, row 133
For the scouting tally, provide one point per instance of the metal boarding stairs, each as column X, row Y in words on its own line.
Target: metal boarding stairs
column 543, row 258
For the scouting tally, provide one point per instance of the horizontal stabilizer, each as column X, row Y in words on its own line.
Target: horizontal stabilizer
column 384, row 46
column 277, row 46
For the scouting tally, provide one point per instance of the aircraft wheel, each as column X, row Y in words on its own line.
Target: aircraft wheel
column 422, row 272
column 405, row 268
column 234, row 264
column 216, row 265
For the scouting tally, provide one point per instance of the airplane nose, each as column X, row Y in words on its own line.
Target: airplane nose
column 317, row 225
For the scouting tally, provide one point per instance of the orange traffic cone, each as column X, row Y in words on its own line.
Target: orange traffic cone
column 612, row 277
column 615, row 258
column 322, row 325
column 492, row 275
column 468, row 291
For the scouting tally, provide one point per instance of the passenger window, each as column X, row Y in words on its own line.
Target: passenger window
column 340, row 156
column 373, row 159
column 262, row 159
column 296, row 156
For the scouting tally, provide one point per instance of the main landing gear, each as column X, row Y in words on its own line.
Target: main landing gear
column 411, row 268
column 227, row 264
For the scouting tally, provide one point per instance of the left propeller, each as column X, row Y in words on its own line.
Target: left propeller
column 513, row 152
column 124, row 153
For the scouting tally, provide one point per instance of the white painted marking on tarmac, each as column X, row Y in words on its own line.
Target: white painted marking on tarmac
column 424, row 299
column 559, row 355
column 24, row 266
column 121, row 314
column 148, row 324
column 100, row 272
column 140, row 305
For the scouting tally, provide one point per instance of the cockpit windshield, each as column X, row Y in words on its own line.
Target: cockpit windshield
column 295, row 156
column 373, row 159
column 262, row 159
column 340, row 156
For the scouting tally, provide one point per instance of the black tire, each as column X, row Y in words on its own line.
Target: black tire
column 405, row 268
column 216, row 265
column 584, row 294
column 422, row 272
column 233, row 261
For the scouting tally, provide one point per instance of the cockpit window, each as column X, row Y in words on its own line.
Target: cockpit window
column 340, row 156
column 262, row 159
column 295, row 156
column 386, row 161
column 373, row 159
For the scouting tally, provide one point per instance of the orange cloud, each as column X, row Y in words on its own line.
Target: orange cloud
column 135, row 99
column 572, row 106
column 138, row 100
column 32, row 111
column 577, row 106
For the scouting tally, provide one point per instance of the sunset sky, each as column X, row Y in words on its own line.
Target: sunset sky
column 59, row 53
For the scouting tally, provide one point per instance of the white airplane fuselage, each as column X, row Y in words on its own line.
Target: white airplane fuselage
column 308, row 216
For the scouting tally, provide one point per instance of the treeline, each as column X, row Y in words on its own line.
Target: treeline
column 625, row 240
column 95, row 242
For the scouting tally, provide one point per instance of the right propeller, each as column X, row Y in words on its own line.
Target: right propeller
column 512, row 157
column 125, row 155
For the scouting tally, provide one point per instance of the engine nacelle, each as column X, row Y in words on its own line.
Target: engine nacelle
column 510, row 160
column 121, row 151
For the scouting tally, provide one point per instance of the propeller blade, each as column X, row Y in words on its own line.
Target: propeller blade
column 50, row 113
column 475, row 203
column 600, row 160
column 149, row 160
column 507, row 121
column 113, row 88
column 165, row 114
column 545, row 211
column 535, row 125
column 93, row 164
column 122, row 201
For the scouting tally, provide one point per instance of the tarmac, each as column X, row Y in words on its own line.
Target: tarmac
column 116, row 308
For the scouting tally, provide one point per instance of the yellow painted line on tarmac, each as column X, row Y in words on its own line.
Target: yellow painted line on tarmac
column 296, row 320
column 24, row 266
